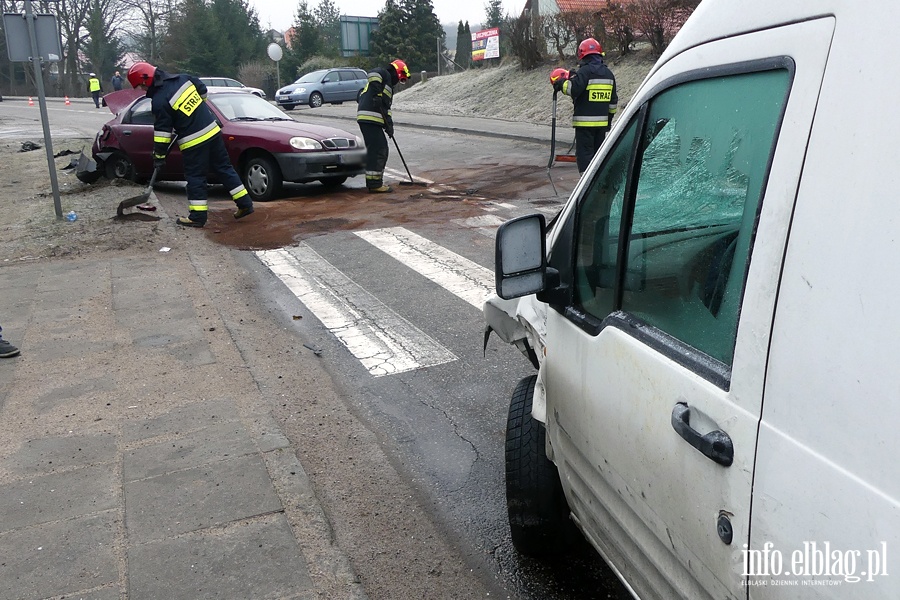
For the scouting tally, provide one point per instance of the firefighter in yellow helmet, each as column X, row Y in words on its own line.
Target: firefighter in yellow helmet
column 374, row 119
column 179, row 108
column 593, row 92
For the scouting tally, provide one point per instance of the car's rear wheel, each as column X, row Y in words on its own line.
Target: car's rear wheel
column 119, row 166
column 539, row 521
column 315, row 100
column 332, row 182
column 262, row 178
column 288, row 106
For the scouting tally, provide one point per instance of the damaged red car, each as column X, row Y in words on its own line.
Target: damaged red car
column 266, row 147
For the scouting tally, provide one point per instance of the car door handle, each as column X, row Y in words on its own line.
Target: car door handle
column 715, row 445
column 126, row 132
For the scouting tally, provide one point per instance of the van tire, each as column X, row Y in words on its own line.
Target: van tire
column 539, row 522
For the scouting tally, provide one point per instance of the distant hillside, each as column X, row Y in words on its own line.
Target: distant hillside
column 507, row 93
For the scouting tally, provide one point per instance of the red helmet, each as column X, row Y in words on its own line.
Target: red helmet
column 141, row 73
column 402, row 70
column 589, row 46
column 558, row 74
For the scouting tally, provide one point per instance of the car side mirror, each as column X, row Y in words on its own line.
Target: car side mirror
column 520, row 263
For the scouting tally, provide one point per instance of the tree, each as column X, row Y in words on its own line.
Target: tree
column 424, row 35
column 387, row 41
column 147, row 26
column 238, row 23
column 194, row 43
column 328, row 19
column 463, row 45
column 493, row 14
column 304, row 43
column 618, row 23
column 659, row 20
column 102, row 47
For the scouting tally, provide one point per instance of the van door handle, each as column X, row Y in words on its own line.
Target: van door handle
column 715, row 445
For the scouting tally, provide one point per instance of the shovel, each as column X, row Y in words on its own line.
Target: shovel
column 140, row 198
column 411, row 180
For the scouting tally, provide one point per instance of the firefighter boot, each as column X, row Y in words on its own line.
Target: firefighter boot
column 197, row 218
column 383, row 189
column 243, row 211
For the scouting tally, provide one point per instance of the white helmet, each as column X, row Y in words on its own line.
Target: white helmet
column 93, row 74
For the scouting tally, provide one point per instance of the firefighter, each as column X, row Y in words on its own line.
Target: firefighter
column 374, row 118
column 593, row 92
column 94, row 88
column 178, row 104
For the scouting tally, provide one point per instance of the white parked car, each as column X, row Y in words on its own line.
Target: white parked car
column 712, row 319
column 232, row 85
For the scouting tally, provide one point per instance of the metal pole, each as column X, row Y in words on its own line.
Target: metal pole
column 278, row 74
column 42, row 101
column 438, row 46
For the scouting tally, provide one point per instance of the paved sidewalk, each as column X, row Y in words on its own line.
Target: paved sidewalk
column 515, row 130
column 137, row 456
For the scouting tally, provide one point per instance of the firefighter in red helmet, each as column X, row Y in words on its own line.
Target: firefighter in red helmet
column 179, row 109
column 593, row 91
column 374, row 119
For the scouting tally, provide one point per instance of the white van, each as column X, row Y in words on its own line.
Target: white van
column 712, row 318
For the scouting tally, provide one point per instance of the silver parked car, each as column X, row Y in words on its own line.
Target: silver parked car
column 334, row 86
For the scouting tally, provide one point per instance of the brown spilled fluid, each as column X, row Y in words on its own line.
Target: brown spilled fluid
column 315, row 210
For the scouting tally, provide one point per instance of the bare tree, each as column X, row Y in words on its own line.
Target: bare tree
column 147, row 26
column 659, row 20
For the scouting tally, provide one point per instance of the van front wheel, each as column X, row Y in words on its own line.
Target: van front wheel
column 539, row 520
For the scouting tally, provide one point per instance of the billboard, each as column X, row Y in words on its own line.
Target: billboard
column 486, row 44
column 355, row 33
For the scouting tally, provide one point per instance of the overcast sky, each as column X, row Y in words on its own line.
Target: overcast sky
column 279, row 14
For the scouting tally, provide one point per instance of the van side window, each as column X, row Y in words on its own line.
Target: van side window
column 703, row 160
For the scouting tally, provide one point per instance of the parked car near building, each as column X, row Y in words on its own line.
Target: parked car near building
column 333, row 86
column 231, row 85
column 266, row 147
column 711, row 318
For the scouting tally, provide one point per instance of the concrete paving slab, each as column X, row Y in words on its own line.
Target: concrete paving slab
column 66, row 394
column 218, row 441
column 54, row 559
column 56, row 497
column 251, row 560
column 55, row 453
column 198, row 498
column 184, row 418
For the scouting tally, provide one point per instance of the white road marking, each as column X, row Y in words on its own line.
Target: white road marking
column 383, row 341
column 404, row 176
column 505, row 205
column 462, row 277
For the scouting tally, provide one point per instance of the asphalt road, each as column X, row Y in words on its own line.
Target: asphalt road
column 387, row 292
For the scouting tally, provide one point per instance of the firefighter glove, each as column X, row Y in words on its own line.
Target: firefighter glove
column 558, row 86
column 389, row 128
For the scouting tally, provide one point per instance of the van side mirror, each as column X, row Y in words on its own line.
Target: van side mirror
column 520, row 262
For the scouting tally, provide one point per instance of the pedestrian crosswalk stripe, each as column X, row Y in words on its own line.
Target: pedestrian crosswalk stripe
column 459, row 275
column 383, row 341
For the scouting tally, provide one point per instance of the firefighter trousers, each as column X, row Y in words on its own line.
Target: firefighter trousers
column 376, row 153
column 203, row 159
column 587, row 142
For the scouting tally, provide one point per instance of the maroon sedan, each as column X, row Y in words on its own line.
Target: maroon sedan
column 266, row 147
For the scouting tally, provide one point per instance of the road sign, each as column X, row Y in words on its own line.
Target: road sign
column 18, row 44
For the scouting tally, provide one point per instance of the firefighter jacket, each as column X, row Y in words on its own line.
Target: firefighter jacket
column 375, row 100
column 178, row 106
column 593, row 91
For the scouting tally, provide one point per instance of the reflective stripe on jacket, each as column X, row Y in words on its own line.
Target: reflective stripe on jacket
column 179, row 109
column 593, row 92
column 375, row 99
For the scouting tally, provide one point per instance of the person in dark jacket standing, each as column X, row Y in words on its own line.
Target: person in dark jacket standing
column 593, row 91
column 374, row 119
column 179, row 106
column 94, row 89
column 117, row 81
